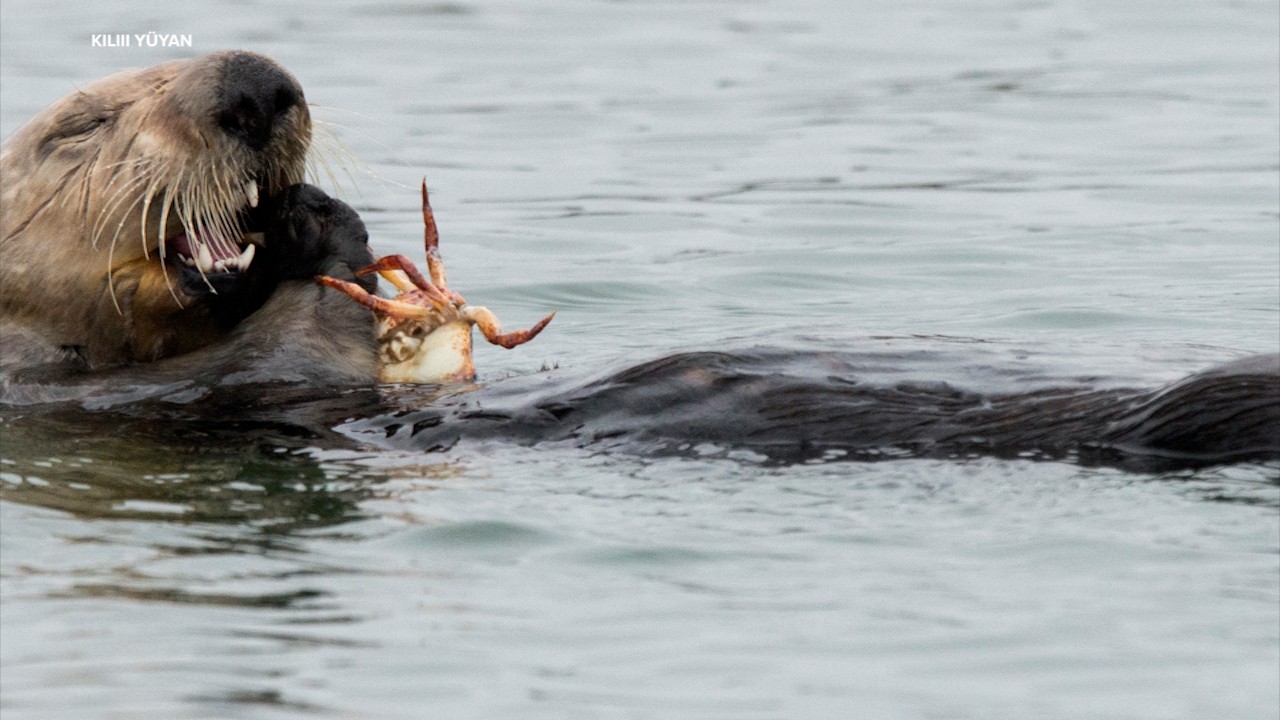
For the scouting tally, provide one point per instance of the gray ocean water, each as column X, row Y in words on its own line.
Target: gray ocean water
column 1089, row 187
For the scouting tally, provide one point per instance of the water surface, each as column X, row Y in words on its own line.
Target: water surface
column 1068, row 189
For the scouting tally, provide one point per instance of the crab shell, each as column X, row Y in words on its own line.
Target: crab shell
column 413, row 352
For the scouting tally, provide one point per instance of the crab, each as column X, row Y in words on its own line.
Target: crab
column 424, row 333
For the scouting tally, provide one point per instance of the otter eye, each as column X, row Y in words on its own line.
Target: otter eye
column 80, row 125
column 416, row 332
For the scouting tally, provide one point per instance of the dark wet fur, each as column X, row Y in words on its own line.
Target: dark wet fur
column 762, row 405
column 787, row 407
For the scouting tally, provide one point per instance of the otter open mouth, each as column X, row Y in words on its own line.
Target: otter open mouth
column 209, row 252
column 212, row 255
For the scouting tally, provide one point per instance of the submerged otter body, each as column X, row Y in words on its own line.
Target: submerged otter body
column 769, row 405
column 783, row 406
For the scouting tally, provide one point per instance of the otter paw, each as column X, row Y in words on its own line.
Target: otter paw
column 309, row 233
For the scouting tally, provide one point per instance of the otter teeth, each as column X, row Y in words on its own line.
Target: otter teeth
column 204, row 262
column 251, row 192
column 240, row 263
column 246, row 257
column 204, row 259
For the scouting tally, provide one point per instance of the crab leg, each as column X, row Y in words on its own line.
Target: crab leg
column 380, row 305
column 431, row 241
column 388, row 264
column 396, row 268
column 492, row 330
column 399, row 279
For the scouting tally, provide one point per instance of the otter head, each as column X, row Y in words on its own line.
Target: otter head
column 128, row 204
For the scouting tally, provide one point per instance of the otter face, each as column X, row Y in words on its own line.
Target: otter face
column 135, row 193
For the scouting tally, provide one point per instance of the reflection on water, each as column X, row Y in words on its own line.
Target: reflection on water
column 1086, row 190
column 111, row 469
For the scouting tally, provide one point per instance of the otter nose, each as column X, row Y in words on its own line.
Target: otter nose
column 255, row 95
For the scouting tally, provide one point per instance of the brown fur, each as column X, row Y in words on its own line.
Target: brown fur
column 90, row 185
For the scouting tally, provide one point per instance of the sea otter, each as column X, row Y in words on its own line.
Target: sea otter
column 148, row 214
column 157, row 251
column 126, row 208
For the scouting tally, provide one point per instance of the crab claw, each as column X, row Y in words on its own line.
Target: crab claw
column 484, row 319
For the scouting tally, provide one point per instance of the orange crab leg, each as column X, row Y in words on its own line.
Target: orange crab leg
column 431, row 241
column 387, row 263
column 399, row 279
column 488, row 324
column 381, row 306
